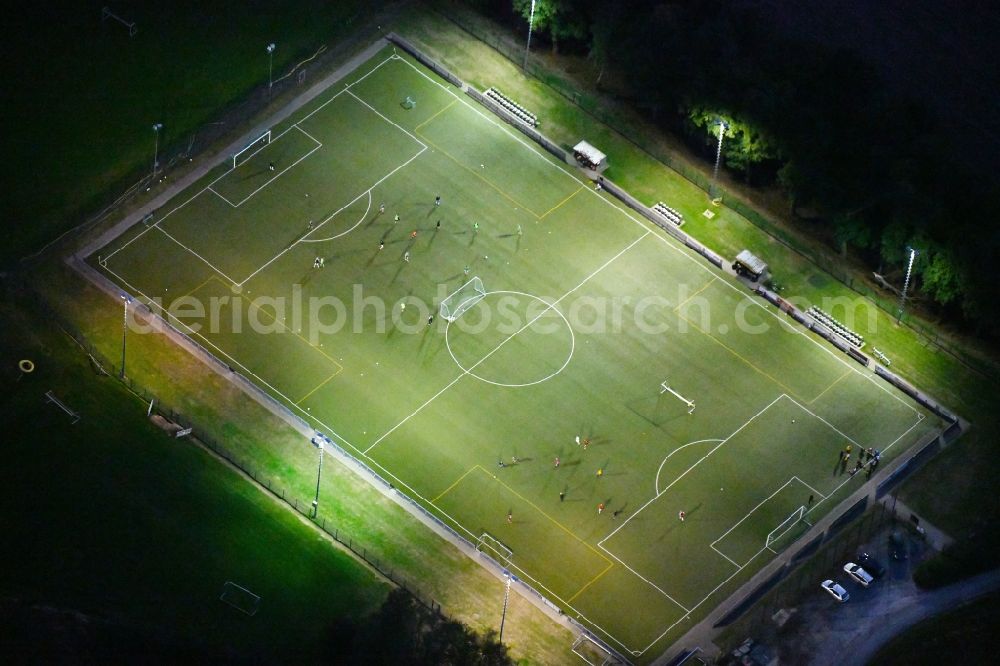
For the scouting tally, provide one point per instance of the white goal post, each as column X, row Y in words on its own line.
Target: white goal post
column 665, row 388
column 785, row 526
column 462, row 299
column 252, row 148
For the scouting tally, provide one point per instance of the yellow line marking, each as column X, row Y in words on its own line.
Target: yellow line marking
column 684, row 302
column 835, row 382
column 476, row 174
column 207, row 280
column 252, row 305
column 557, row 523
column 298, row 335
column 737, row 355
column 448, row 489
column 561, row 202
column 454, row 101
column 592, row 581
column 318, row 387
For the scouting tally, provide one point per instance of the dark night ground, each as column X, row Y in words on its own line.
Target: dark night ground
column 939, row 52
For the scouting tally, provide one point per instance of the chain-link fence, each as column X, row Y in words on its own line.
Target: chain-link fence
column 164, row 409
column 608, row 113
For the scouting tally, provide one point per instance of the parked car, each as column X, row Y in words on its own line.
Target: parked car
column 871, row 565
column 836, row 590
column 860, row 576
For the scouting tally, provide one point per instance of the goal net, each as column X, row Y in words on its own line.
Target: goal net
column 787, row 524
column 462, row 299
column 251, row 149
column 492, row 547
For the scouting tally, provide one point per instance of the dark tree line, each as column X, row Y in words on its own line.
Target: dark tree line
column 863, row 159
column 404, row 633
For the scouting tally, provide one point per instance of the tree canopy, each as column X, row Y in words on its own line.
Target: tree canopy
column 811, row 116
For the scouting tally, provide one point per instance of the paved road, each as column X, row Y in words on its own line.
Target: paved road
column 850, row 640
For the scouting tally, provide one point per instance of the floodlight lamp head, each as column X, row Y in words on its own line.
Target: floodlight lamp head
column 126, row 298
column 270, row 47
column 157, row 127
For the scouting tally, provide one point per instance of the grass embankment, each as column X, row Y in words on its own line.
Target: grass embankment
column 112, row 518
column 287, row 461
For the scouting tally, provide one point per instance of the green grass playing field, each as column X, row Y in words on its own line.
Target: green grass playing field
column 588, row 311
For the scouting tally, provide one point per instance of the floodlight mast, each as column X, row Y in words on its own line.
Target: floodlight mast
column 319, row 477
column 531, row 22
column 906, row 284
column 506, row 597
column 270, row 68
column 126, row 299
column 156, row 146
column 712, row 192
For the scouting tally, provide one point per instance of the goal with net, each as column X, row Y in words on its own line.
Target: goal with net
column 786, row 525
column 251, row 149
column 462, row 299
column 488, row 545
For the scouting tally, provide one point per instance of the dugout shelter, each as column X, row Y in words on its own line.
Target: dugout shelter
column 749, row 265
column 590, row 157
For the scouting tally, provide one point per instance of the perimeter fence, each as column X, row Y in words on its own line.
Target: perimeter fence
column 613, row 115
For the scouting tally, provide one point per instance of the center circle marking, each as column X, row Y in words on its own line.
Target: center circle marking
column 549, row 307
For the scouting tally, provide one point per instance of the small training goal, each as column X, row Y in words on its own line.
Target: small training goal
column 463, row 298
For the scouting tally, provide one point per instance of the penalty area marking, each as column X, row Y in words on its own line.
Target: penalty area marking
column 342, row 233
column 656, row 487
column 549, row 307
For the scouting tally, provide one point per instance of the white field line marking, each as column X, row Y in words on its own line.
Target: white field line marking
column 550, row 306
column 671, row 243
column 207, row 263
column 342, row 233
column 813, row 490
column 820, row 418
column 137, row 237
column 332, row 215
column 329, row 429
column 851, row 478
column 689, row 469
column 656, row 488
column 647, row 581
column 750, row 513
column 640, row 223
column 275, row 177
column 600, row 544
column 216, row 193
column 346, row 88
column 379, row 113
column 228, row 171
column 411, row 491
column 719, row 552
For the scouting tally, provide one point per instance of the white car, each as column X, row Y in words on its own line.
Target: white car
column 860, row 576
column 835, row 590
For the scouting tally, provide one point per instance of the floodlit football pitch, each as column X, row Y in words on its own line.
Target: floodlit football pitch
column 594, row 326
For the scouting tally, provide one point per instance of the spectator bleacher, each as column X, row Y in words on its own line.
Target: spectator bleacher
column 513, row 107
column 847, row 334
column 669, row 213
